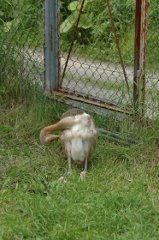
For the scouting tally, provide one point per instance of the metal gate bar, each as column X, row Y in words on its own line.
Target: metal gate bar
column 63, row 94
column 51, row 44
column 140, row 55
column 52, row 67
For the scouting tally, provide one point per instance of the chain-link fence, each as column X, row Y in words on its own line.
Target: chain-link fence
column 21, row 45
column 152, row 62
column 97, row 53
column 94, row 67
column 96, row 49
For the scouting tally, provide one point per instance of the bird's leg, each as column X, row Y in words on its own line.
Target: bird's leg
column 69, row 166
column 83, row 173
column 63, row 178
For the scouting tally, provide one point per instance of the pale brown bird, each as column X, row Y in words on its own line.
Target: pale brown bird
column 78, row 137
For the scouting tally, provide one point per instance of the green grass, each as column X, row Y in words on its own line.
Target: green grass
column 119, row 199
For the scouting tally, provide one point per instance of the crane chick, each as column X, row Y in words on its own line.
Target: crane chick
column 78, row 137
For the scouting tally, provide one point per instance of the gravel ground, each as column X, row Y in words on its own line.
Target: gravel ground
column 101, row 80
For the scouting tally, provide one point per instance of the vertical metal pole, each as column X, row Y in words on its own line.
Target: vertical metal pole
column 143, row 43
column 47, row 44
column 140, row 55
column 51, row 44
column 137, row 50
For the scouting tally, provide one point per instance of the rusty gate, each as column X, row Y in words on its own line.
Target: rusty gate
column 93, row 55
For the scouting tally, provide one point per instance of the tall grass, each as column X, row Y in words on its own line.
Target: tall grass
column 118, row 200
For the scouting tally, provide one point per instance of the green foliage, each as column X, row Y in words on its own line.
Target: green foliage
column 85, row 21
column 20, row 27
column 94, row 36
column 21, row 20
column 96, row 18
column 15, row 85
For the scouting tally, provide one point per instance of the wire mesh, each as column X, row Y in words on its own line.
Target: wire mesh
column 93, row 70
column 21, row 41
column 152, row 62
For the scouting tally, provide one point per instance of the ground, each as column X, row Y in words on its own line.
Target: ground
column 118, row 200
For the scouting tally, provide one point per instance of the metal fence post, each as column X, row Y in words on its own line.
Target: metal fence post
column 140, row 56
column 51, row 44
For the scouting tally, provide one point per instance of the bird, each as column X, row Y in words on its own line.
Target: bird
column 78, row 136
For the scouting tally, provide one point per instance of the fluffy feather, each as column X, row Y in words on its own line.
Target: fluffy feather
column 78, row 135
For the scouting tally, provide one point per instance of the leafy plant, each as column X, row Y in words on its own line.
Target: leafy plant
column 94, row 28
column 17, row 18
column 69, row 22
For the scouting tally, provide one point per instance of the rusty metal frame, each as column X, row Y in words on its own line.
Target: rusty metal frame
column 51, row 48
column 62, row 93
column 140, row 56
column 52, row 56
